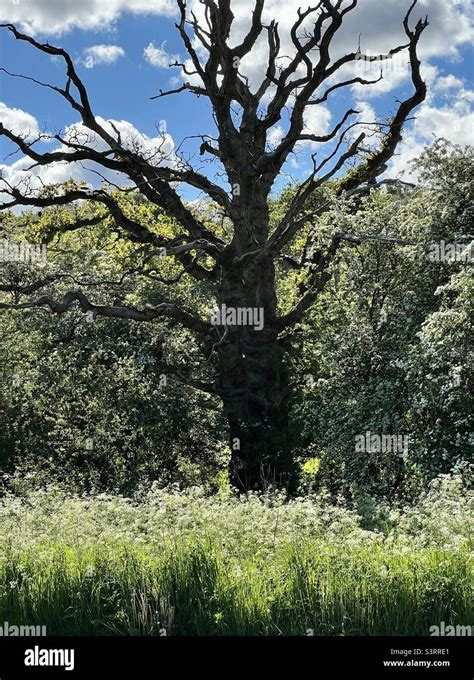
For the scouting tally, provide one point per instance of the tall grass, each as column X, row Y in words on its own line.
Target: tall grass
column 192, row 565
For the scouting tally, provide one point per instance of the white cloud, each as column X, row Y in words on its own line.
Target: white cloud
column 448, row 82
column 102, row 54
column 379, row 25
column 275, row 136
column 316, row 121
column 367, row 115
column 60, row 16
column 367, row 112
column 454, row 122
column 157, row 150
column 19, row 122
column 158, row 56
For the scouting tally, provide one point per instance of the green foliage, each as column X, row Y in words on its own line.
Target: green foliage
column 385, row 348
column 89, row 400
column 93, row 408
column 440, row 370
column 199, row 565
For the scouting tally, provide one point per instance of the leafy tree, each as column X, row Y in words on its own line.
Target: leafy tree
column 90, row 400
column 386, row 349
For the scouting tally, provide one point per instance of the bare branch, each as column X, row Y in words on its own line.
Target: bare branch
column 164, row 310
column 153, row 182
column 186, row 87
column 319, row 275
column 331, row 135
column 289, row 225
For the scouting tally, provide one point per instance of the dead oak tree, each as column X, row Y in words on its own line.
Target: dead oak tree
column 250, row 367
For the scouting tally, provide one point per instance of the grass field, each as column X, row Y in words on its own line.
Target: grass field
column 189, row 564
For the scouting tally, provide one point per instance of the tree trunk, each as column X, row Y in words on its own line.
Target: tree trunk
column 254, row 380
column 255, row 398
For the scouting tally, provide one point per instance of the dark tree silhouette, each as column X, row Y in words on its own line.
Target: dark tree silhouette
column 251, row 374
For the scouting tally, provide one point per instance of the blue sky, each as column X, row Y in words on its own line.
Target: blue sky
column 119, row 90
column 122, row 57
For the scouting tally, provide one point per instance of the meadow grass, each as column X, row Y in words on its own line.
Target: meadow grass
column 189, row 564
